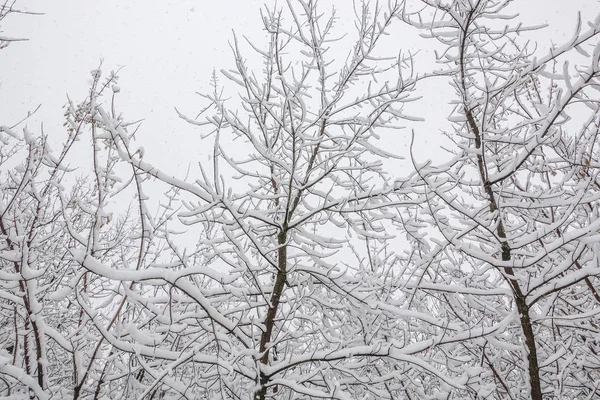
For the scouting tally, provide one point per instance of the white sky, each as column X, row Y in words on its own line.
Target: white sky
column 168, row 49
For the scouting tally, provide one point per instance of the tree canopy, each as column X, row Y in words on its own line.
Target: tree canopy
column 303, row 267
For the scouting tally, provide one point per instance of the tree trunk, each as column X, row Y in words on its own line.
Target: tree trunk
column 269, row 322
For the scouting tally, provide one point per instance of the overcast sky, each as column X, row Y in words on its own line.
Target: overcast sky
column 168, row 49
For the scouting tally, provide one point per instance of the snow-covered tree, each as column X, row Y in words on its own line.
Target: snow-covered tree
column 281, row 296
column 50, row 305
column 294, row 263
column 515, row 270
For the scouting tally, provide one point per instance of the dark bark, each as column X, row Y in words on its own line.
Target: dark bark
column 519, row 297
column 269, row 323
